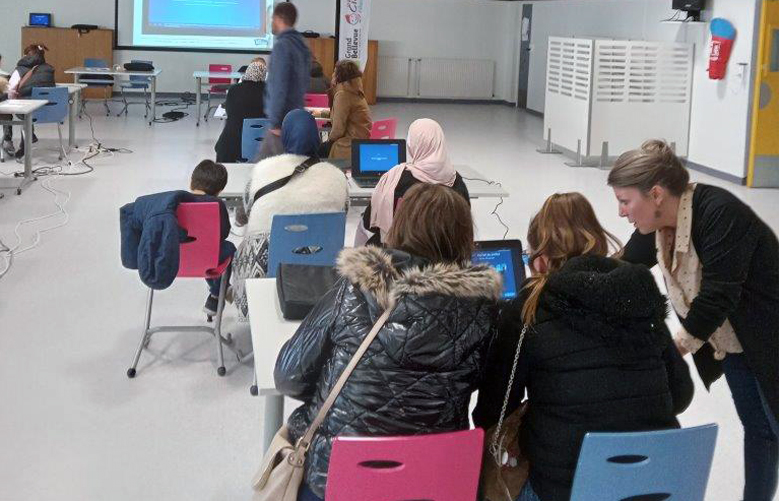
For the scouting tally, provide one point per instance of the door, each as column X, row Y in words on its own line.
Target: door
column 525, row 56
column 763, row 160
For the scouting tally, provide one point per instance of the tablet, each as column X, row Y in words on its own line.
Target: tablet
column 506, row 257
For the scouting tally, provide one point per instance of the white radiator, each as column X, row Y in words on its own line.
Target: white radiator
column 436, row 78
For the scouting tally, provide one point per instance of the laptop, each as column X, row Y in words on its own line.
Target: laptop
column 506, row 256
column 373, row 157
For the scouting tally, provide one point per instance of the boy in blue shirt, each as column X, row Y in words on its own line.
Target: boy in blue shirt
column 207, row 182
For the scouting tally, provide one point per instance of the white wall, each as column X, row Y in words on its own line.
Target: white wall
column 429, row 28
column 719, row 109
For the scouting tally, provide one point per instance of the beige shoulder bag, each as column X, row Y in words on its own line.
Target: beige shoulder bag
column 281, row 471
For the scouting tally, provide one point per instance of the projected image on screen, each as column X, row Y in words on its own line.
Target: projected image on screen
column 215, row 24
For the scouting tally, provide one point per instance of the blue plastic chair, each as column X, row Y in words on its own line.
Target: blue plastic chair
column 252, row 133
column 55, row 111
column 136, row 82
column 105, row 83
column 651, row 466
column 313, row 239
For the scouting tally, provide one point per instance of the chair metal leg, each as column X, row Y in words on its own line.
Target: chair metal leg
column 253, row 389
column 208, row 106
column 124, row 101
column 144, row 336
column 218, row 325
column 147, row 107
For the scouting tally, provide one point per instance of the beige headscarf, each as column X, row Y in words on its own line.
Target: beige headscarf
column 427, row 160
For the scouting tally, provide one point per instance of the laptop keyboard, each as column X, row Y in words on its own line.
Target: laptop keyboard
column 366, row 182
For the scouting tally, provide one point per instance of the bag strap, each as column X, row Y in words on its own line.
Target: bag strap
column 25, row 78
column 279, row 183
column 494, row 448
column 305, row 440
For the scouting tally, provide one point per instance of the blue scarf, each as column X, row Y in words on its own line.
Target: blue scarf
column 299, row 133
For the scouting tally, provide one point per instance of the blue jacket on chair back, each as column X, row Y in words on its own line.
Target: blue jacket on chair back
column 151, row 236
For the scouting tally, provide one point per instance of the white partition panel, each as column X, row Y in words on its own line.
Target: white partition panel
column 642, row 90
column 569, row 85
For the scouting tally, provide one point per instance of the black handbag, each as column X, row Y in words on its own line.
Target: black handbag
column 300, row 286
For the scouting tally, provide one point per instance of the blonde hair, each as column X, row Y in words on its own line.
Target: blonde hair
column 565, row 227
column 654, row 163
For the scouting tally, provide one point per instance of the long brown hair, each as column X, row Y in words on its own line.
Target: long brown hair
column 346, row 70
column 433, row 222
column 565, row 227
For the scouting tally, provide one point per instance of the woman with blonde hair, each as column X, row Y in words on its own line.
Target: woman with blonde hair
column 720, row 265
column 594, row 351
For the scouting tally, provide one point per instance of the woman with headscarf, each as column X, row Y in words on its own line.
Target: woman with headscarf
column 313, row 187
column 427, row 161
column 244, row 100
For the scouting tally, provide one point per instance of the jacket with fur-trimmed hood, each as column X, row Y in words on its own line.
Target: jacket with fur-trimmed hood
column 418, row 374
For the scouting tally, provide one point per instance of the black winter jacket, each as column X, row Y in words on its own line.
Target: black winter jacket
column 244, row 100
column 42, row 77
column 739, row 258
column 598, row 358
column 419, row 373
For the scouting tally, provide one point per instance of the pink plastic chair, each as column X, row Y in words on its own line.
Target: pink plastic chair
column 316, row 101
column 217, row 85
column 441, row 467
column 384, row 129
column 198, row 258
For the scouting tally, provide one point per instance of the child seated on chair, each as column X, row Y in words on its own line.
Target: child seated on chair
column 208, row 180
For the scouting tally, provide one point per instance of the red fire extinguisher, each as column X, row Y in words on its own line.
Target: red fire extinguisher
column 723, row 34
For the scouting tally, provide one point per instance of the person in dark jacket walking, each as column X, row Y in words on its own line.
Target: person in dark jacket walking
column 244, row 100
column 31, row 71
column 597, row 355
column 288, row 76
column 720, row 265
column 418, row 375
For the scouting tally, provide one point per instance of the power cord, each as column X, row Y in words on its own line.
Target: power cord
column 494, row 212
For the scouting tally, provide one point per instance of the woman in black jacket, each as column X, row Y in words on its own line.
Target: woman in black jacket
column 244, row 100
column 597, row 355
column 419, row 373
column 720, row 265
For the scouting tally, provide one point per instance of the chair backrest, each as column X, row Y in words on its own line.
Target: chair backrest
column 57, row 108
column 671, row 463
column 95, row 63
column 140, row 81
column 200, row 253
column 252, row 133
column 315, row 100
column 221, row 68
column 441, row 467
column 306, row 239
column 384, row 129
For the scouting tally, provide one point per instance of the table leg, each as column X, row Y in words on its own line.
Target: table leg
column 28, row 132
column 154, row 100
column 73, row 106
column 76, row 80
column 272, row 418
column 198, row 83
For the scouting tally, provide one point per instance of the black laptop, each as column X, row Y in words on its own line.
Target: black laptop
column 506, row 256
column 373, row 157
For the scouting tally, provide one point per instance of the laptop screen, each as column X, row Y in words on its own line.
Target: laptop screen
column 505, row 257
column 375, row 157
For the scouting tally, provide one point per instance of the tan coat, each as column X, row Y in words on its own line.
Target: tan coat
column 350, row 117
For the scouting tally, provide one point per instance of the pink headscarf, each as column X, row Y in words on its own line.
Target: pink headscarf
column 427, row 160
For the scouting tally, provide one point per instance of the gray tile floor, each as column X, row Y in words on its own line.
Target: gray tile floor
column 73, row 427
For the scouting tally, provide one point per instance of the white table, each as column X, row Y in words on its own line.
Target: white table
column 151, row 75
column 74, row 98
column 239, row 175
column 269, row 333
column 234, row 77
column 25, row 107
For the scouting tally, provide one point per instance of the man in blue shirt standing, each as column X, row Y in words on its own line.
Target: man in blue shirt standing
column 288, row 75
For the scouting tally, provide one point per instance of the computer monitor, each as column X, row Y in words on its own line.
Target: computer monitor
column 40, row 19
column 506, row 257
column 374, row 157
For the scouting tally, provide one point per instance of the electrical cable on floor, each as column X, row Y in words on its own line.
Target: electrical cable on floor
column 494, row 212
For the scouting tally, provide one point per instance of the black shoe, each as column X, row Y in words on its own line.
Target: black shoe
column 210, row 308
column 20, row 152
column 35, row 138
